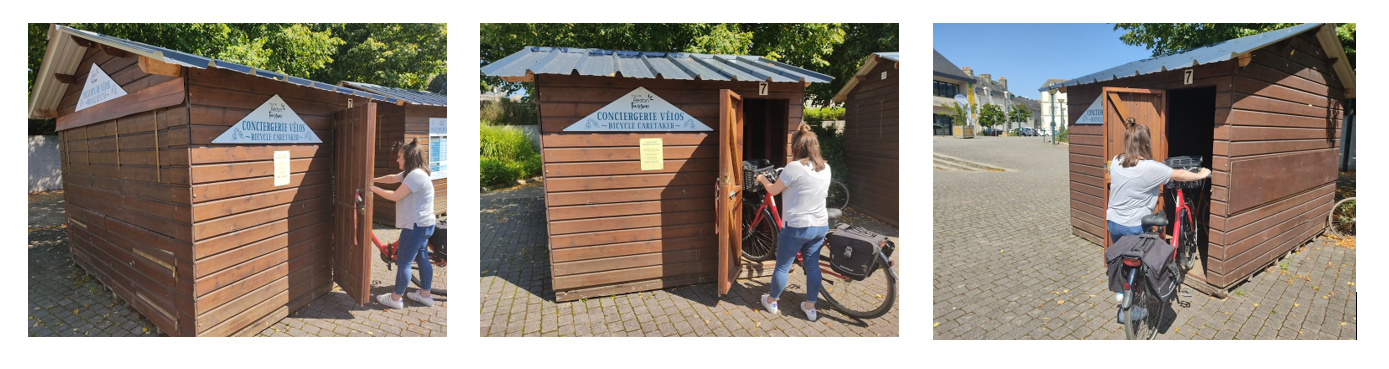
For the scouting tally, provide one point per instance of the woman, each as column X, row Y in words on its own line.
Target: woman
column 806, row 183
column 1135, row 182
column 414, row 215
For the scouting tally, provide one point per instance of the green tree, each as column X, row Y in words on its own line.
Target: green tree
column 960, row 114
column 402, row 55
column 1019, row 114
column 805, row 45
column 991, row 115
column 397, row 55
column 1172, row 38
column 860, row 40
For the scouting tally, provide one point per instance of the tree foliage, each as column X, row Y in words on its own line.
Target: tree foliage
column 1019, row 114
column 1172, row 38
column 396, row 55
column 960, row 114
column 822, row 47
column 991, row 115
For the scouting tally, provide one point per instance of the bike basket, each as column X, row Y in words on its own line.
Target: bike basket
column 1183, row 162
column 752, row 168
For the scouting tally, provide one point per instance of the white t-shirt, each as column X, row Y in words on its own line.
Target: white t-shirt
column 804, row 197
column 1133, row 192
column 418, row 206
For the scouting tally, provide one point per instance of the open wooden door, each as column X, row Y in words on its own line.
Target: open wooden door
column 1146, row 107
column 354, row 140
column 728, row 190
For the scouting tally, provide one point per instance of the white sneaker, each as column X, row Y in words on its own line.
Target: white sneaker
column 809, row 313
column 385, row 299
column 770, row 306
column 415, row 295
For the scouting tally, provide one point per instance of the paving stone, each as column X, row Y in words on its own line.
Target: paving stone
column 514, row 256
column 1003, row 247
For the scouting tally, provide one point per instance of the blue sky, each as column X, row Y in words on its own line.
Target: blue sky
column 1029, row 54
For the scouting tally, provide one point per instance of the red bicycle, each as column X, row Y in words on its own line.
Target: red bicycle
column 437, row 255
column 869, row 298
column 1140, row 307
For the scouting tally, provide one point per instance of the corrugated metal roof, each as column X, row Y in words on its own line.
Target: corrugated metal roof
column 532, row 60
column 941, row 66
column 1216, row 53
column 889, row 56
column 410, row 96
column 64, row 56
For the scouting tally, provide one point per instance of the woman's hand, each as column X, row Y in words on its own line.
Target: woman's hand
column 762, row 179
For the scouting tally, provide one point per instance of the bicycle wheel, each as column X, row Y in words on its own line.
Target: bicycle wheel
column 1342, row 218
column 1145, row 304
column 838, row 197
column 759, row 243
column 1187, row 255
column 866, row 299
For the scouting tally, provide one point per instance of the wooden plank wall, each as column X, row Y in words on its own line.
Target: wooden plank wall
column 1282, row 142
column 1274, row 159
column 1087, row 155
column 260, row 251
column 125, row 185
column 612, row 227
column 396, row 124
column 870, row 144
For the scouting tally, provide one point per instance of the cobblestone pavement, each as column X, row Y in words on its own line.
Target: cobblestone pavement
column 64, row 301
column 517, row 300
column 1007, row 266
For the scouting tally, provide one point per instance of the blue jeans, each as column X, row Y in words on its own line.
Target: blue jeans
column 1116, row 231
column 806, row 241
column 412, row 249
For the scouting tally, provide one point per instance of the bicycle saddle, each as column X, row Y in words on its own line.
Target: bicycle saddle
column 834, row 214
column 1153, row 220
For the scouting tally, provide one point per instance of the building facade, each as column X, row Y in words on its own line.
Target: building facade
column 1053, row 107
column 947, row 81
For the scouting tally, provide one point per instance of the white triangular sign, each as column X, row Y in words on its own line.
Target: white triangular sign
column 1093, row 114
column 99, row 89
column 638, row 111
column 272, row 123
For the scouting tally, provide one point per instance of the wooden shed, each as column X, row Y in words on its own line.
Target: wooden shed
column 634, row 145
column 870, row 136
column 423, row 116
column 212, row 197
column 1264, row 111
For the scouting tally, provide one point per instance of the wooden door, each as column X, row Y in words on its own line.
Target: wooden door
column 1145, row 107
column 354, row 140
column 728, row 193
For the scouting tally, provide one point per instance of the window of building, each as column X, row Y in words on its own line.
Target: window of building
column 438, row 148
column 946, row 89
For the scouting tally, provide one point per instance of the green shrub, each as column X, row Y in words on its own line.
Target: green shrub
column 531, row 166
column 507, row 112
column 817, row 115
column 831, row 148
column 505, row 143
column 495, row 172
column 1063, row 136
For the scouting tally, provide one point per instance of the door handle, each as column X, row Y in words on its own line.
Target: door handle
column 361, row 205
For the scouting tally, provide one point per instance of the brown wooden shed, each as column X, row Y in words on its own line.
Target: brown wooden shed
column 1265, row 112
column 616, row 226
column 212, row 197
column 870, row 136
column 423, row 116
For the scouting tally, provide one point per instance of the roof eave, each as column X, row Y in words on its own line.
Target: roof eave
column 1331, row 44
column 868, row 65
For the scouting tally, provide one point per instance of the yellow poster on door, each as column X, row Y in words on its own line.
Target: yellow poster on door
column 652, row 157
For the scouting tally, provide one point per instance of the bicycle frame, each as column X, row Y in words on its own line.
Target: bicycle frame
column 1177, row 225
column 389, row 252
column 768, row 202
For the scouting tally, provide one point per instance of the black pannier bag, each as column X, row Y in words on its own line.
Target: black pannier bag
column 1159, row 272
column 853, row 250
column 439, row 240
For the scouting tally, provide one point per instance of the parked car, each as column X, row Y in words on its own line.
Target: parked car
column 1028, row 131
